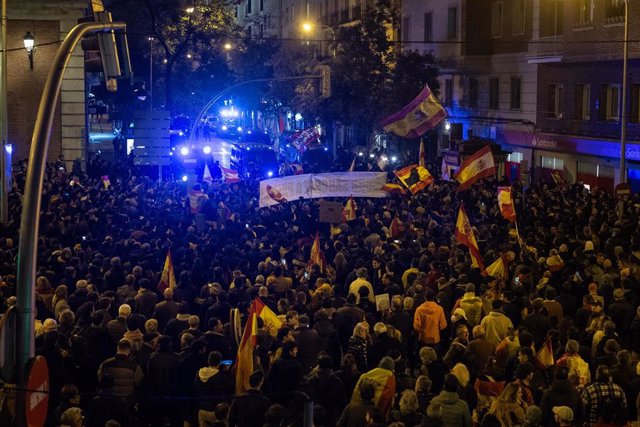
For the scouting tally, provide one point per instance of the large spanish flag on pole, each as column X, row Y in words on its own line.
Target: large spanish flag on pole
column 465, row 236
column 475, row 167
column 417, row 117
column 415, row 178
column 168, row 277
column 245, row 362
column 505, row 202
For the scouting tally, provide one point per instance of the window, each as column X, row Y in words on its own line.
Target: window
column 494, row 93
column 515, row 157
column 613, row 103
column 634, row 116
column 551, row 17
column 518, row 22
column 428, row 27
column 249, row 6
column 452, row 23
column 473, row 93
column 496, row 19
column 516, row 91
column 261, row 5
column 614, row 9
column 554, row 101
column 585, row 12
column 552, row 163
column 583, row 102
column 448, row 92
column 406, row 30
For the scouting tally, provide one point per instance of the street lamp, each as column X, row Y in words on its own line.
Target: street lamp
column 150, row 73
column 307, row 27
column 29, row 44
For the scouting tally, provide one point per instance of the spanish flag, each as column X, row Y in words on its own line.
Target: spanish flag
column 414, row 177
column 168, row 277
column 544, row 358
column 230, row 176
column 497, row 269
column 395, row 228
column 417, row 117
column 465, row 236
column 475, row 167
column 349, row 211
column 394, row 188
column 505, row 202
column 317, row 255
column 385, row 386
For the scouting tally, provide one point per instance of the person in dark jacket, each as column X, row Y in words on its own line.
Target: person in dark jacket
column 166, row 310
column 403, row 322
column 382, row 344
column 146, row 299
column 308, row 342
column 191, row 361
column 177, row 325
column 163, row 381
column 561, row 393
column 211, row 383
column 247, row 409
column 126, row 373
column 355, row 414
column 107, row 405
column 325, row 388
column 286, row 372
column 328, row 336
column 216, row 340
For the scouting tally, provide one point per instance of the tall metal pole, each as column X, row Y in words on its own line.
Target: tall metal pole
column 30, row 219
column 623, row 112
column 150, row 73
column 4, row 122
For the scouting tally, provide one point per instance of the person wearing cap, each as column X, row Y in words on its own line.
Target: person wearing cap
column 458, row 317
column 563, row 416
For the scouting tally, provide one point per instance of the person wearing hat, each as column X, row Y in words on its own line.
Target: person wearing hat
column 563, row 416
column 458, row 317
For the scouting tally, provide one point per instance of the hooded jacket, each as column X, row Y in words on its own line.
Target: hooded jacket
column 472, row 306
column 210, row 386
column 455, row 411
column 496, row 325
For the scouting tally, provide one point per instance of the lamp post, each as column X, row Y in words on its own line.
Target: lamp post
column 307, row 27
column 623, row 112
column 150, row 73
column 29, row 44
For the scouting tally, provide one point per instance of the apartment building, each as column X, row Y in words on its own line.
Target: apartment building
column 540, row 77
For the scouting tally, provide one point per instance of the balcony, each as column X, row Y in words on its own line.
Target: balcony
column 545, row 50
column 356, row 13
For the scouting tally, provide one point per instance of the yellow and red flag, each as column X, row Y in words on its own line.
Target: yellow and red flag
column 497, row 269
column 505, row 202
column 385, row 385
column 417, row 117
column 168, row 277
column 544, row 358
column 245, row 361
column 395, row 228
column 230, row 176
column 349, row 211
column 464, row 235
column 317, row 255
column 475, row 167
column 394, row 188
column 414, row 177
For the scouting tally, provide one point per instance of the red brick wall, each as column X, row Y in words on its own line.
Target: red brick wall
column 25, row 86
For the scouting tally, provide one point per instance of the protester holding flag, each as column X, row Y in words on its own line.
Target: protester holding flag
column 465, row 236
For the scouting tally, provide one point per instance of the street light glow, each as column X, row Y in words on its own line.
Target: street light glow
column 227, row 46
column 307, row 27
column 190, row 9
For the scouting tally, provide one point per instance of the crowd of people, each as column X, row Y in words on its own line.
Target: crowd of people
column 555, row 342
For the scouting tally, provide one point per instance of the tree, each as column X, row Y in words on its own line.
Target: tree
column 189, row 40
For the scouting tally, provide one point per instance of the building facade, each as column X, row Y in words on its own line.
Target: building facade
column 48, row 22
column 540, row 77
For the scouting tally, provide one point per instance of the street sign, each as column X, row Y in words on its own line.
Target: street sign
column 623, row 191
column 37, row 394
column 151, row 145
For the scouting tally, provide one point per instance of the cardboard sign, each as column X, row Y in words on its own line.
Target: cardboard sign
column 330, row 211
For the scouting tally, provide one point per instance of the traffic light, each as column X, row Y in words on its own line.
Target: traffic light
column 325, row 80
